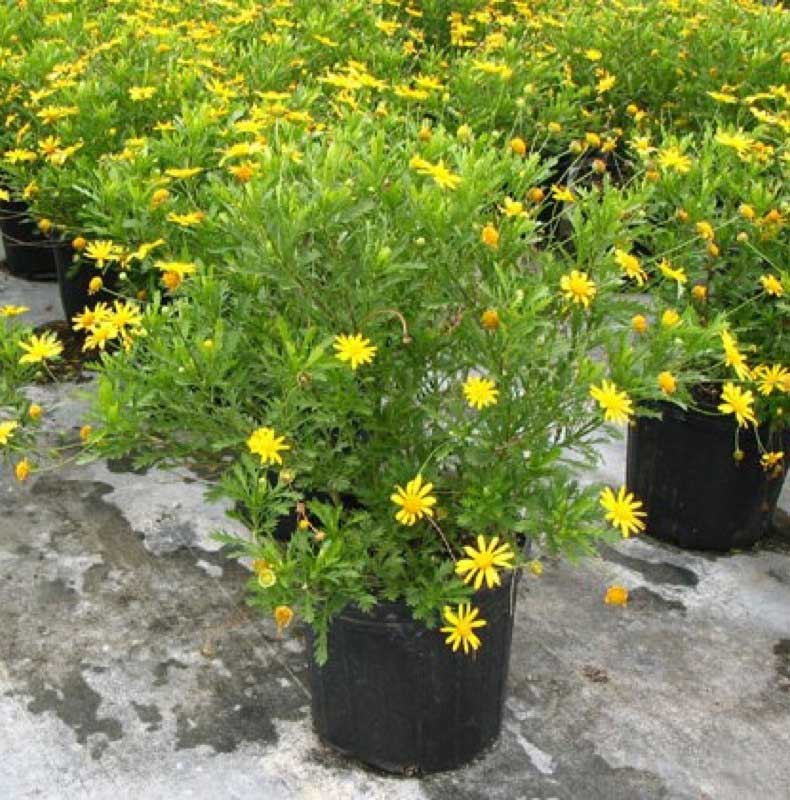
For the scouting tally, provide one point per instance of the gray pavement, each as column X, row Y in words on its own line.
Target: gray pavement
column 130, row 667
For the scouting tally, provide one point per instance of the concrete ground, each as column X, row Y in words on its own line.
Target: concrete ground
column 130, row 667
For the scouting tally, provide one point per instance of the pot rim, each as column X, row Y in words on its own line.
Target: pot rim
column 693, row 416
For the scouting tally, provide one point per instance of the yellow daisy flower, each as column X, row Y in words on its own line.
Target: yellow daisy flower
column 480, row 392
column 672, row 158
column 623, row 510
column 186, row 220
column 355, row 349
column 616, row 405
column 441, row 175
column 578, row 288
column 264, row 443
column 103, row 251
column 461, row 625
column 99, row 336
column 40, row 348
column 482, row 563
column 677, row 274
column 13, row 311
column 772, row 285
column 7, row 428
column 140, row 93
column 630, row 265
column 739, row 402
column 415, row 501
column 770, row 378
column 182, row 173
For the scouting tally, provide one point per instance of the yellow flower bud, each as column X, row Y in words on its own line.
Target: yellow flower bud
column 639, row 323
column 670, row 318
column 266, row 578
column 592, row 139
column 518, row 146
column 464, row 133
column 85, row 432
column 171, row 280
column 489, row 236
column 159, row 197
column 489, row 319
column 35, row 411
column 95, row 285
column 536, row 195
column 45, row 225
column 283, row 616
column 22, row 470
column 699, row 292
column 79, row 243
column 667, row 382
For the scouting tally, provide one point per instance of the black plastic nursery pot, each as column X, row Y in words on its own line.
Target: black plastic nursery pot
column 28, row 252
column 696, row 495
column 393, row 695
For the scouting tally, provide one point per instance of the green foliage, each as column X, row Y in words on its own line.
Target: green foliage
column 406, row 174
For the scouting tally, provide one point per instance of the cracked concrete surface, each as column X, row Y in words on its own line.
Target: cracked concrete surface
column 130, row 667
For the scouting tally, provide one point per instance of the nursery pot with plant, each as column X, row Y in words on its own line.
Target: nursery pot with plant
column 29, row 253
column 710, row 474
column 425, row 346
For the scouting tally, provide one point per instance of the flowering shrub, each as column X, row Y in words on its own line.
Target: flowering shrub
column 388, row 270
column 404, row 362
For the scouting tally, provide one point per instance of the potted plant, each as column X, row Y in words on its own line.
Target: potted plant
column 363, row 317
column 28, row 251
column 436, row 370
column 711, row 475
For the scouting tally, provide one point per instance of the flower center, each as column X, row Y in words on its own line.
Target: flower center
column 463, row 628
column 578, row 287
column 484, row 560
column 412, row 504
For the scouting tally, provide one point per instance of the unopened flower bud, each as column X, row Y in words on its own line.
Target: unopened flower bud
column 22, row 470
column 518, row 146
